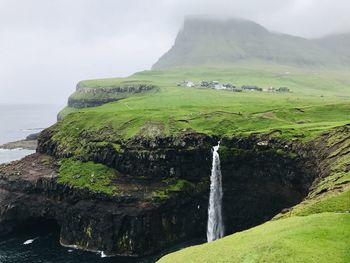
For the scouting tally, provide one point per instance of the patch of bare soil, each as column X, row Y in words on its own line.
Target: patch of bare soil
column 269, row 115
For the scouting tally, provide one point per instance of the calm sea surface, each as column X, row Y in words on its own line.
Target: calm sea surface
column 17, row 122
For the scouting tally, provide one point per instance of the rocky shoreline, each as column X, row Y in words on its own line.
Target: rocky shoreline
column 129, row 223
column 29, row 143
column 21, row 144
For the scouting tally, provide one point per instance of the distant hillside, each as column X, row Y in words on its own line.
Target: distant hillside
column 339, row 45
column 204, row 41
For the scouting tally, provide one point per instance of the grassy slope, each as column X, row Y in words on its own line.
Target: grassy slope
column 175, row 110
column 308, row 81
column 316, row 238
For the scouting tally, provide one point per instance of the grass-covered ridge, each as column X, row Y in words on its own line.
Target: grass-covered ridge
column 320, row 100
column 315, row 238
column 301, row 80
column 112, row 82
column 92, row 93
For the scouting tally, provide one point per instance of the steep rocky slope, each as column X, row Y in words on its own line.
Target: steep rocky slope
column 205, row 41
column 89, row 94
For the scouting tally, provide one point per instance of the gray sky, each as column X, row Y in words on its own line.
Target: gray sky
column 47, row 46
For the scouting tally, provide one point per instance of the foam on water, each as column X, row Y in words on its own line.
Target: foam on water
column 29, row 241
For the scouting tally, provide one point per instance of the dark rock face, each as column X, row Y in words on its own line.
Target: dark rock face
column 188, row 157
column 129, row 230
column 33, row 136
column 81, row 103
column 123, row 225
column 260, row 178
column 97, row 96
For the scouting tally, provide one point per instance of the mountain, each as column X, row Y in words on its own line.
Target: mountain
column 338, row 44
column 205, row 41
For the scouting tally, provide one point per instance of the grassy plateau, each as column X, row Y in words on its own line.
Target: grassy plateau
column 319, row 100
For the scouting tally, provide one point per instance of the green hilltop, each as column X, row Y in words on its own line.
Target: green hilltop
column 318, row 100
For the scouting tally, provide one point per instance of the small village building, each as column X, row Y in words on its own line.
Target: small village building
column 283, row 89
column 229, row 86
column 185, row 83
column 204, row 83
column 219, row 87
column 190, row 84
column 251, row 88
column 236, row 89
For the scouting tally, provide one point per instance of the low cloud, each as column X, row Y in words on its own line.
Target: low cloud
column 48, row 46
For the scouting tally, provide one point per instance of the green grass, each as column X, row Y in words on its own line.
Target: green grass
column 172, row 186
column 315, row 238
column 87, row 175
column 65, row 111
column 303, row 81
column 334, row 202
column 173, row 111
column 111, row 82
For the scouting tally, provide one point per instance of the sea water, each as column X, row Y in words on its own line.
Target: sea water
column 18, row 121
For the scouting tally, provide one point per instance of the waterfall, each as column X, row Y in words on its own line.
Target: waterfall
column 215, row 228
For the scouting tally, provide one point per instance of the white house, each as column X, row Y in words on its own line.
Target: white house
column 190, row 84
column 219, row 86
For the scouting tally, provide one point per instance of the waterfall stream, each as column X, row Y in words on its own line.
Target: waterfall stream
column 215, row 228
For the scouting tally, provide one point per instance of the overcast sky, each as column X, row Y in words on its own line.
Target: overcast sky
column 47, row 46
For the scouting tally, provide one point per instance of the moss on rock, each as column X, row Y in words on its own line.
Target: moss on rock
column 87, row 175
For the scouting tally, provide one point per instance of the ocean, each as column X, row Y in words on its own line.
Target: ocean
column 17, row 122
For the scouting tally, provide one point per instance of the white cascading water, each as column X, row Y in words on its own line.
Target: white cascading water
column 215, row 228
